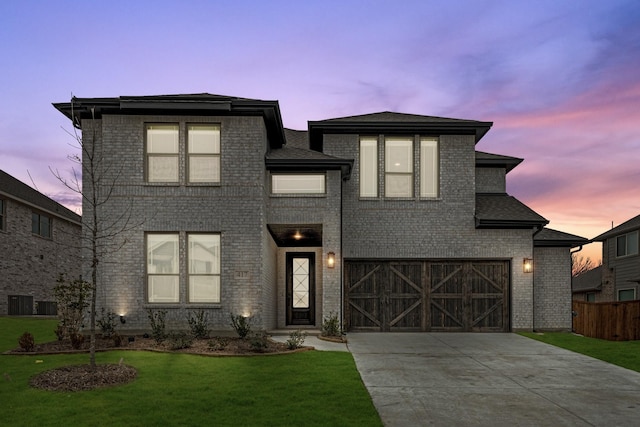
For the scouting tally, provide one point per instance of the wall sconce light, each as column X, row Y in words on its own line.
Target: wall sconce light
column 331, row 259
column 527, row 265
column 122, row 319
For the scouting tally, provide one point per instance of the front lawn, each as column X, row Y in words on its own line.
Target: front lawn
column 309, row 388
column 621, row 353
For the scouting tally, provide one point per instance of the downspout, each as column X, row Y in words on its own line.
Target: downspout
column 341, row 257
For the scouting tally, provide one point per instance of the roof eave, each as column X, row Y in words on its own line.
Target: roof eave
column 343, row 165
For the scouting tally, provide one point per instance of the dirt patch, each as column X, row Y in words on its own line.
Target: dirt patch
column 84, row 377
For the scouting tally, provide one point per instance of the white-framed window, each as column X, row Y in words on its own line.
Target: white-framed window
column 203, row 153
column 298, row 183
column 429, row 167
column 162, row 152
column 204, row 267
column 626, row 294
column 398, row 169
column 41, row 224
column 163, row 267
column 627, row 244
column 368, row 166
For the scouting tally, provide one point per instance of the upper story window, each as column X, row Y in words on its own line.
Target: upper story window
column 203, row 153
column 627, row 244
column 300, row 183
column 41, row 225
column 398, row 167
column 399, row 178
column 163, row 153
column 2, row 215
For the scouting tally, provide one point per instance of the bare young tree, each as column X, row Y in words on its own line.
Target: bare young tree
column 103, row 231
column 580, row 264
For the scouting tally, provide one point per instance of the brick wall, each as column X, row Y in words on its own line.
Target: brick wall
column 552, row 289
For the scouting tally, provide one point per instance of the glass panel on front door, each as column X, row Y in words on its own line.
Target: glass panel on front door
column 300, row 288
column 300, row 283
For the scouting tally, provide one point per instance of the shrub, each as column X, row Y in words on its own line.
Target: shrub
column 72, row 298
column 59, row 331
column 296, row 339
column 259, row 341
column 117, row 339
column 241, row 324
column 180, row 340
column 107, row 323
column 199, row 324
column 76, row 340
column 26, row 341
column 218, row 343
column 331, row 326
column 158, row 328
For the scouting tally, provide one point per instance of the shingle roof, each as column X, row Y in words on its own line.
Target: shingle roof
column 295, row 153
column 504, row 211
column 630, row 225
column 588, row 281
column 389, row 116
column 555, row 238
column 296, row 138
column 16, row 189
column 493, row 160
column 296, row 159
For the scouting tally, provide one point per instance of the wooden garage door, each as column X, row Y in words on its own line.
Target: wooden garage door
column 427, row 296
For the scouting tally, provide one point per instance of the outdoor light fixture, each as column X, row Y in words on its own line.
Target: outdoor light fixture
column 527, row 265
column 122, row 319
column 331, row 259
column 297, row 236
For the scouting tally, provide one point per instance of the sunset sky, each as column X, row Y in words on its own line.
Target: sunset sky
column 560, row 79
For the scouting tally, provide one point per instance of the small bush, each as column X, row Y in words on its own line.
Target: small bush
column 259, row 341
column 199, row 324
column 331, row 326
column 77, row 339
column 218, row 343
column 179, row 341
column 117, row 339
column 26, row 341
column 59, row 331
column 296, row 339
column 107, row 323
column 158, row 328
column 241, row 324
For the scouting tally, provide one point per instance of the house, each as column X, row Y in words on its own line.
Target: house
column 619, row 277
column 39, row 240
column 390, row 221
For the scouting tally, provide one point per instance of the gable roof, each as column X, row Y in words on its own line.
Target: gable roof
column 196, row 104
column 489, row 160
column 548, row 237
column 590, row 280
column 504, row 211
column 21, row 192
column 630, row 225
column 388, row 122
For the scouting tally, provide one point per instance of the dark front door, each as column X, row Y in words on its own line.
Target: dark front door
column 300, row 288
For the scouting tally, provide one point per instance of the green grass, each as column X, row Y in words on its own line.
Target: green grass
column 310, row 388
column 621, row 353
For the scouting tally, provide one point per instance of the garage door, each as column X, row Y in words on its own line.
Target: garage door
column 427, row 296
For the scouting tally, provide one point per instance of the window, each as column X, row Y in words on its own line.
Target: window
column 429, row 167
column 590, row 297
column 297, row 183
column 368, row 167
column 203, row 153
column 204, row 267
column 398, row 167
column 163, row 267
column 2, row 214
column 626, row 294
column 162, row 153
column 627, row 244
column 41, row 225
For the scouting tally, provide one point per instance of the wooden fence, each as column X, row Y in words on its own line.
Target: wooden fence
column 613, row 321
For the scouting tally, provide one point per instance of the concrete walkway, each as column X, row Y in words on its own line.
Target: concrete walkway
column 460, row 379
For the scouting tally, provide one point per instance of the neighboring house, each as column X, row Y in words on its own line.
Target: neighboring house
column 39, row 240
column 389, row 221
column 588, row 286
column 620, row 273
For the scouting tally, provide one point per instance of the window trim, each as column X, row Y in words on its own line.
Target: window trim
column 435, row 167
column 149, row 275
column 411, row 174
column 217, row 274
column 636, row 235
column 298, row 193
column 216, row 154
column 148, row 155
column 39, row 230
column 374, row 165
column 626, row 289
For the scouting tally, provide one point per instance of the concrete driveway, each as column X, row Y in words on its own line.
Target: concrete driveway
column 464, row 379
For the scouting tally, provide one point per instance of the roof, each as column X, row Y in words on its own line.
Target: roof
column 554, row 238
column 590, row 280
column 295, row 159
column 196, row 104
column 21, row 192
column 395, row 123
column 296, row 138
column 496, row 160
column 504, row 211
column 630, row 225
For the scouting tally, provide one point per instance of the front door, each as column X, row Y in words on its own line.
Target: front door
column 300, row 288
